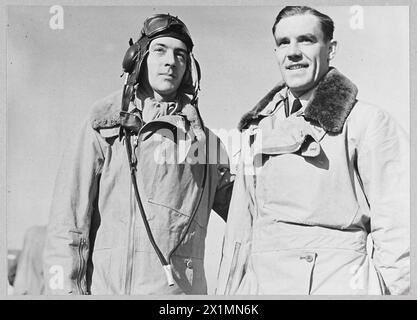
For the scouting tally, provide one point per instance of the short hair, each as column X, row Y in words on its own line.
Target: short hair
column 327, row 24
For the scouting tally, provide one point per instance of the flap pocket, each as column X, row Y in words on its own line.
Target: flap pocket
column 289, row 136
column 284, row 272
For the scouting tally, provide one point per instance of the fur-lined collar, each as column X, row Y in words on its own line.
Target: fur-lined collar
column 330, row 105
column 105, row 113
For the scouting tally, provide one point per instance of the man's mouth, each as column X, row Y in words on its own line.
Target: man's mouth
column 168, row 75
column 297, row 66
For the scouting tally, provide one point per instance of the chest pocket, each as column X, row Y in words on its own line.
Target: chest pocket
column 290, row 135
column 170, row 181
column 312, row 191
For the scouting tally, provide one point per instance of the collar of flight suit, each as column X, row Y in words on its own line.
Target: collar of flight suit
column 330, row 105
column 105, row 115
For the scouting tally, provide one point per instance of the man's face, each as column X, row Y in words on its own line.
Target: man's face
column 303, row 54
column 166, row 65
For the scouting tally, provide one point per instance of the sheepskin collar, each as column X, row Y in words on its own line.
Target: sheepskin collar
column 105, row 113
column 330, row 105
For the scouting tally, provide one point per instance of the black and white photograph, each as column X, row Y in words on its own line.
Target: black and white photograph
column 224, row 149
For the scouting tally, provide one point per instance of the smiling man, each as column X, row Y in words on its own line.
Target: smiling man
column 123, row 222
column 303, row 51
column 331, row 176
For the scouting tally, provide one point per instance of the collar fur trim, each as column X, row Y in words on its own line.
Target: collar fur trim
column 329, row 106
column 105, row 113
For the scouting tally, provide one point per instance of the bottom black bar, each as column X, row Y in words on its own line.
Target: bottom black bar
column 218, row 309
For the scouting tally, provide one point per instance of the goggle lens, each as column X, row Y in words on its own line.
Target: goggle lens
column 161, row 22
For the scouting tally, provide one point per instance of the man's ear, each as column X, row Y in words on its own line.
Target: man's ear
column 332, row 49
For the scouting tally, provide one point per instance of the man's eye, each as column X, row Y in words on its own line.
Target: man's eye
column 181, row 56
column 283, row 43
column 306, row 40
column 158, row 50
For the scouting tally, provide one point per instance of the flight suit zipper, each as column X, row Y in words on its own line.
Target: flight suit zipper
column 131, row 234
column 233, row 266
column 80, row 281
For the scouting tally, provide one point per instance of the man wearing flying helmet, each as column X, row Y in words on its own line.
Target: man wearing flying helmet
column 134, row 192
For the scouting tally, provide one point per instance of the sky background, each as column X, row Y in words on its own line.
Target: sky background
column 54, row 76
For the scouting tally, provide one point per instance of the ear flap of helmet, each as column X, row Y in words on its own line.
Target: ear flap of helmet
column 191, row 81
column 132, row 61
column 141, row 66
column 130, row 57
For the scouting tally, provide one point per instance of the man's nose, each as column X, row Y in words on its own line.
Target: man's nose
column 170, row 58
column 294, row 52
